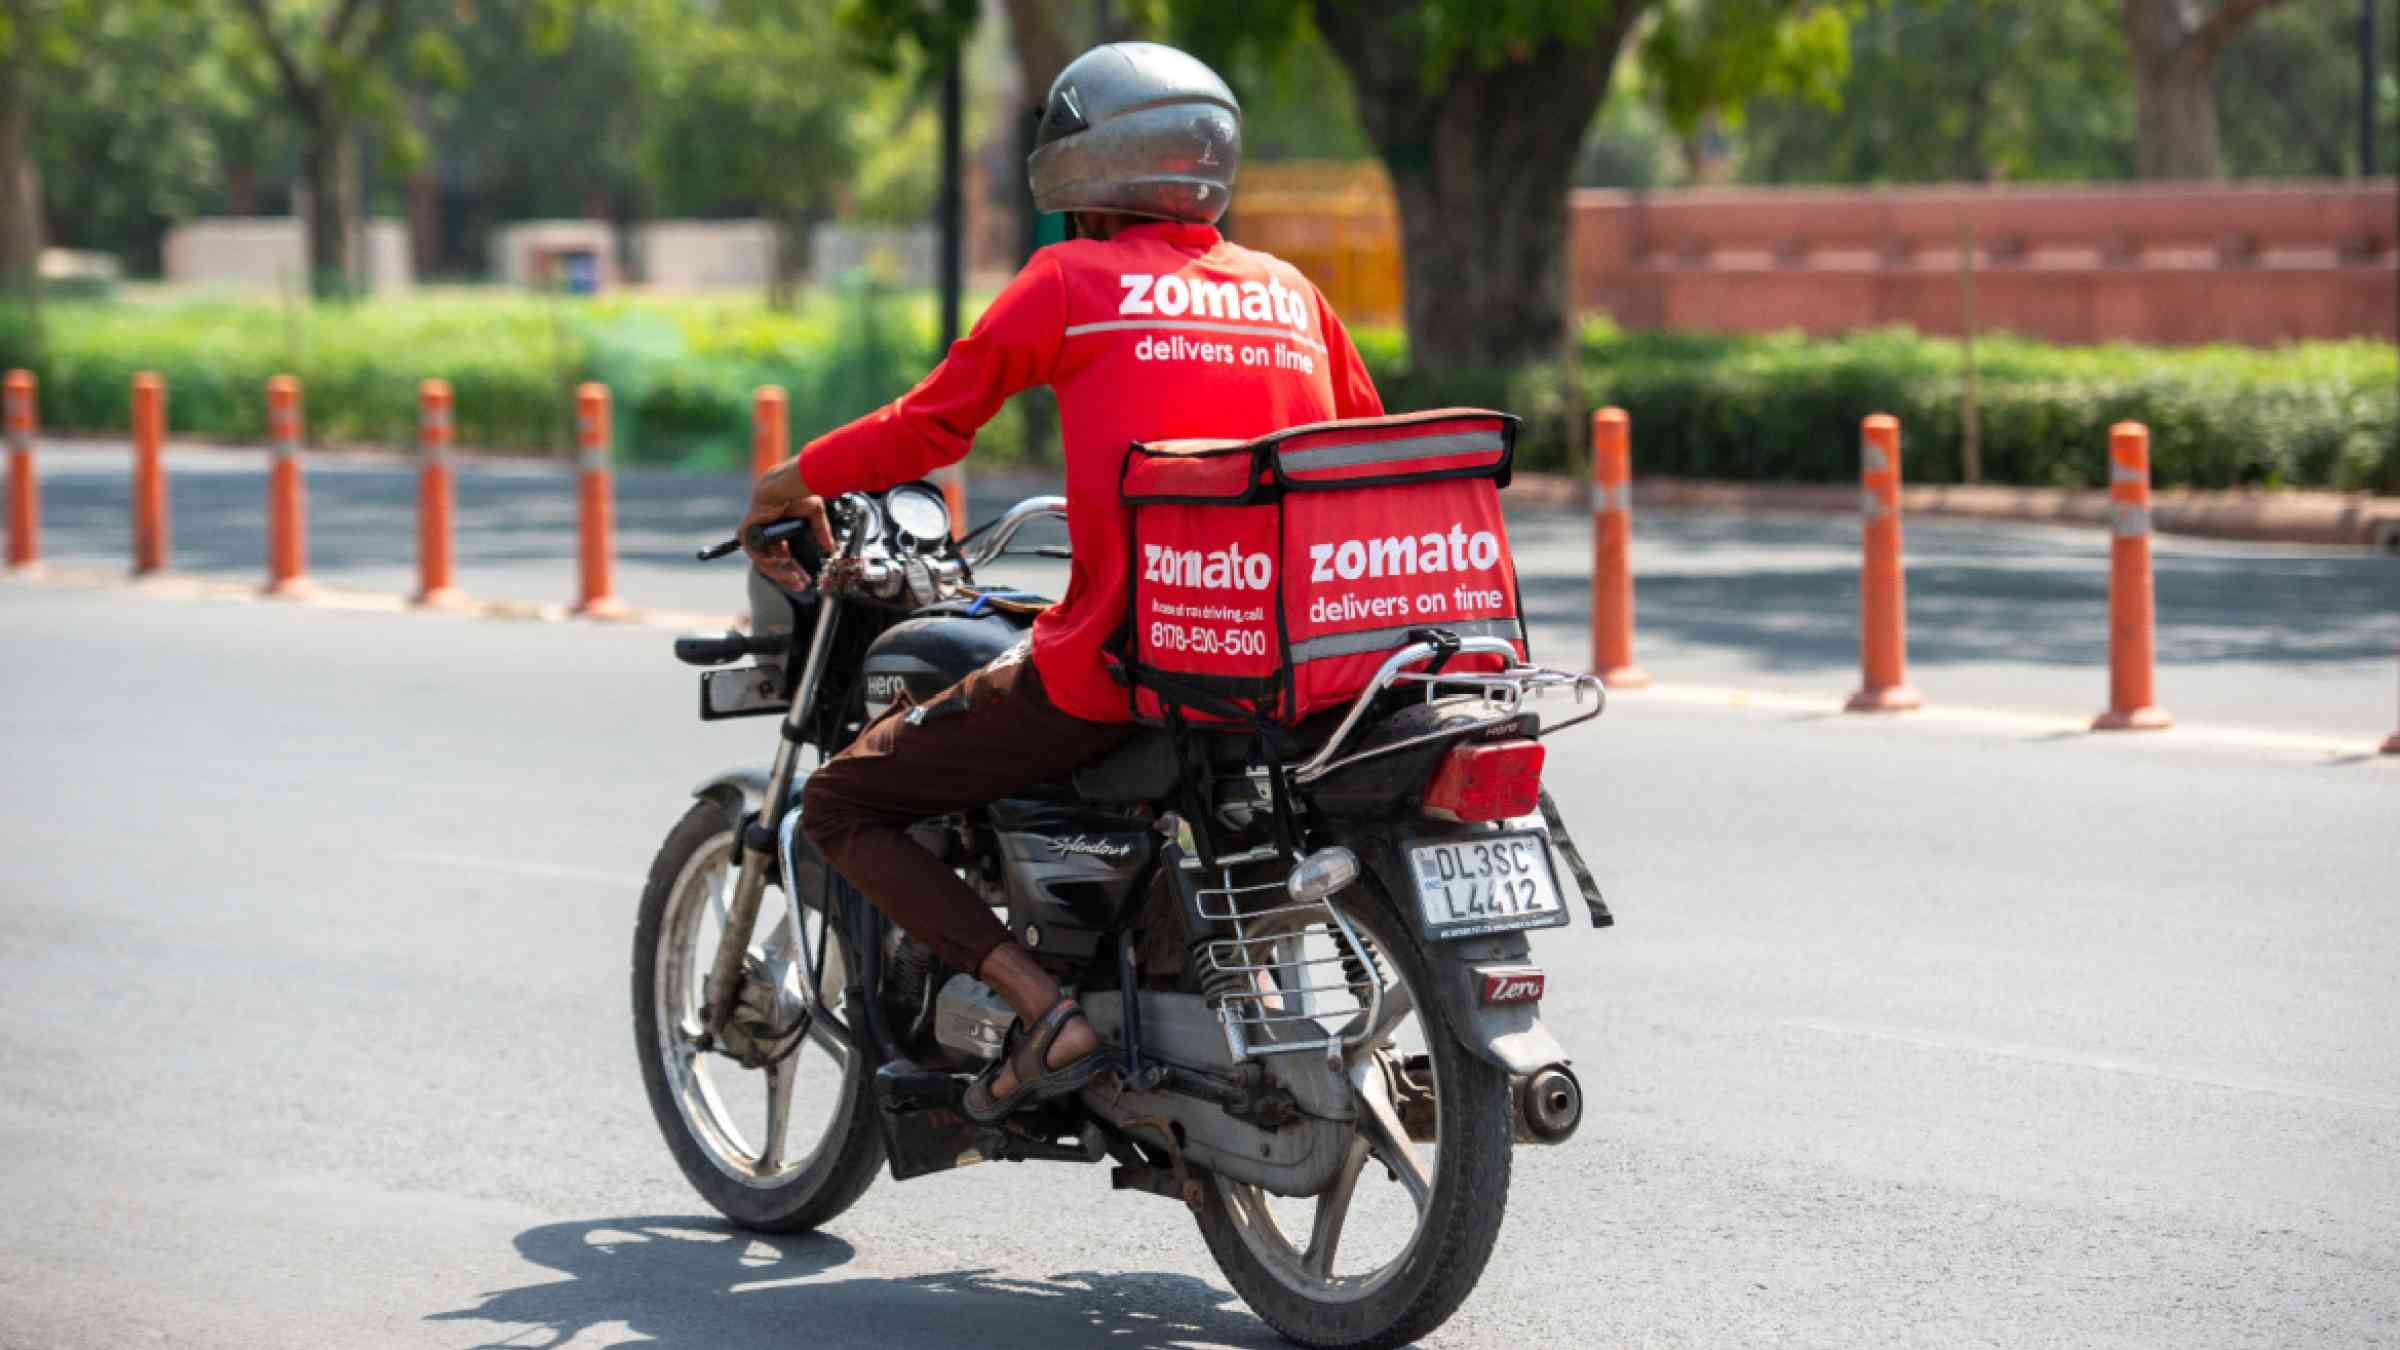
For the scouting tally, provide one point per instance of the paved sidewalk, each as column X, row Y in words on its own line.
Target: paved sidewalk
column 2283, row 637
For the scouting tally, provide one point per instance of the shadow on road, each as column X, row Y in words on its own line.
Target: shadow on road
column 687, row 1283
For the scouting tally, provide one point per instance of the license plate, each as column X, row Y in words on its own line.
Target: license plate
column 1491, row 883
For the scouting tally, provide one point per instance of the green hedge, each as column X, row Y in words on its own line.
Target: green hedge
column 2320, row 414
column 681, row 373
column 1779, row 407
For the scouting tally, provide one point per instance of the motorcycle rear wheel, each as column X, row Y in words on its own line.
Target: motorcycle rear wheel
column 1292, row 1280
column 814, row 1155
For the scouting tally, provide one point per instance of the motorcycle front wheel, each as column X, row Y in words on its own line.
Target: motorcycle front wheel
column 1397, row 1242
column 779, row 1148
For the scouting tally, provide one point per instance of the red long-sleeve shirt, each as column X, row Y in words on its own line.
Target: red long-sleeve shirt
column 1163, row 331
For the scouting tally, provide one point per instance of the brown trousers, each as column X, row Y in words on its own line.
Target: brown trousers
column 991, row 734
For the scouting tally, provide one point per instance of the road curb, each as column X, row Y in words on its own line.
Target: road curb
column 2294, row 516
column 178, row 586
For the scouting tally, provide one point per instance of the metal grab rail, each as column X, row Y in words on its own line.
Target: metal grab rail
column 1506, row 687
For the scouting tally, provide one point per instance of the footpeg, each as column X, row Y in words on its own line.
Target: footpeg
column 903, row 1086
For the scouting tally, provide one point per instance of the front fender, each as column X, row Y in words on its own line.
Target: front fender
column 737, row 792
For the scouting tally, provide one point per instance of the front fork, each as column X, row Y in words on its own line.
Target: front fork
column 750, row 883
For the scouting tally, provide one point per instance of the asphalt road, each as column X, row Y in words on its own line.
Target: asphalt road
column 313, row 930
column 2287, row 638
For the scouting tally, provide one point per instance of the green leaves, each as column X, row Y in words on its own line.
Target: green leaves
column 1705, row 56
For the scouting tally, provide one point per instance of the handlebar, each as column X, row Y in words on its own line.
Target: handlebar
column 760, row 537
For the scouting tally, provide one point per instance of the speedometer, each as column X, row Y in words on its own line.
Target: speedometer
column 918, row 512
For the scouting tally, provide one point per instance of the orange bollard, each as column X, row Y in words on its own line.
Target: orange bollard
column 770, row 436
column 953, row 480
column 2132, row 625
column 1612, row 530
column 596, row 502
column 2391, row 744
column 434, row 588
column 287, row 497
column 1883, row 588
column 24, row 490
column 150, row 540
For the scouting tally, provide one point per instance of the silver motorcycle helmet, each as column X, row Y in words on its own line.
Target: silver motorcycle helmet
column 1141, row 129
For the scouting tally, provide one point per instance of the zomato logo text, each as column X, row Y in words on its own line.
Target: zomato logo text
column 1227, row 568
column 1404, row 555
column 1176, row 296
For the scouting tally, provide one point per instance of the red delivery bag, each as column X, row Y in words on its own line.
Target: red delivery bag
column 1272, row 578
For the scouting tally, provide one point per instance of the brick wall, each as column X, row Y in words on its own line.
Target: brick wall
column 2165, row 263
column 2174, row 264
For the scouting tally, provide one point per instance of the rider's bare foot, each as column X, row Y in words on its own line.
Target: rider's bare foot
column 1013, row 974
column 1075, row 1040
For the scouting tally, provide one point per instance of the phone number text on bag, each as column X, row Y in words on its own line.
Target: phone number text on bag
column 1207, row 641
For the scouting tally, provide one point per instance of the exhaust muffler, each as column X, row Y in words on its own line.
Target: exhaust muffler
column 1549, row 1105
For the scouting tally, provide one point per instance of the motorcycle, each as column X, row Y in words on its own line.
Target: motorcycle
column 1307, row 954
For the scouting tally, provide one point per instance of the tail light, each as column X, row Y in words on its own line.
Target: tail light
column 1486, row 780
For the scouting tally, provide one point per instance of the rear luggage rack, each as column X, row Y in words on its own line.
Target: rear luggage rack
column 1502, row 690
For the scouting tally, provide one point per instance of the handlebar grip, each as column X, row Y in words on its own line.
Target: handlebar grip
column 795, row 532
column 698, row 650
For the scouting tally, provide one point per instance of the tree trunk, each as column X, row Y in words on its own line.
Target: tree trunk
column 790, row 264
column 1481, row 162
column 20, row 180
column 2175, row 119
column 2174, row 45
column 325, row 161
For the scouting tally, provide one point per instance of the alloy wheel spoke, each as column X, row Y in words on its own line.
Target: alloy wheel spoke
column 1333, row 1208
column 720, row 896
column 1390, row 1141
column 780, row 1076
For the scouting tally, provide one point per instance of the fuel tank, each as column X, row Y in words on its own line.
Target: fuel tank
column 924, row 655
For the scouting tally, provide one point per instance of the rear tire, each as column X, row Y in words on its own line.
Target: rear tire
column 850, row 1151
column 1460, row 1220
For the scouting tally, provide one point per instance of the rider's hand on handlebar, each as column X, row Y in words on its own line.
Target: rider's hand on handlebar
column 780, row 495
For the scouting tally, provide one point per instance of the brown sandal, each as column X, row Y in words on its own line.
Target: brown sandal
column 1036, row 1080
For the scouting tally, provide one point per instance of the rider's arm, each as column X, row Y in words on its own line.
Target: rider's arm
column 1353, row 389
column 1014, row 346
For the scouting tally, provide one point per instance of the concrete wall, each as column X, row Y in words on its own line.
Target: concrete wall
column 267, row 252
column 529, row 252
column 695, row 255
column 2173, row 263
column 903, row 254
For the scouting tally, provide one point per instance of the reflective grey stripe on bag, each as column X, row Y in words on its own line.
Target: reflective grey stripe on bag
column 1433, row 446
column 1392, row 639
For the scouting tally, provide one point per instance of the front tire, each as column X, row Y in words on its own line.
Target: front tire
column 815, row 1157
column 1283, row 1280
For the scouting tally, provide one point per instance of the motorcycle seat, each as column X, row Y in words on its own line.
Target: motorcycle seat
column 1141, row 770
